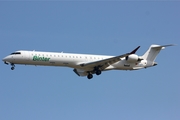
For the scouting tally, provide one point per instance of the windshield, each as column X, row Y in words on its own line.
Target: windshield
column 14, row 53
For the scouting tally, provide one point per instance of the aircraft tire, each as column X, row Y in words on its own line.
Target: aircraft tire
column 90, row 76
column 98, row 72
column 12, row 68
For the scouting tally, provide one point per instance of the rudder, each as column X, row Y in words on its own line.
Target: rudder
column 153, row 51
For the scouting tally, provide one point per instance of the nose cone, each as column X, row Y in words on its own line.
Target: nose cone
column 4, row 59
column 7, row 58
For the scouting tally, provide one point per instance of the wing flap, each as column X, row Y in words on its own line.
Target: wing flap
column 104, row 62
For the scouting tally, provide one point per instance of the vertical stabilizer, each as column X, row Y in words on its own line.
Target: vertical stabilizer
column 153, row 51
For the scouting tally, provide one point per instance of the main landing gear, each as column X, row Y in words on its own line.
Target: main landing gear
column 90, row 75
column 98, row 72
column 13, row 66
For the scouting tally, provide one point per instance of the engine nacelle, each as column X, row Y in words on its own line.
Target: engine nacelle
column 133, row 58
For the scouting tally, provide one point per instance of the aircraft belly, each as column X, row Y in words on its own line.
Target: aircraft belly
column 123, row 65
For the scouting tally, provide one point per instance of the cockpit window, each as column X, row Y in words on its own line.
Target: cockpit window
column 15, row 53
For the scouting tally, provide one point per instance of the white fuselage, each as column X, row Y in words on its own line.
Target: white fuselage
column 87, row 64
column 67, row 60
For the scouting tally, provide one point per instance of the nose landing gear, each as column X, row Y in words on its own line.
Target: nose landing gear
column 6, row 63
column 13, row 66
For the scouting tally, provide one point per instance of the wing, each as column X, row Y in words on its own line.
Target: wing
column 102, row 64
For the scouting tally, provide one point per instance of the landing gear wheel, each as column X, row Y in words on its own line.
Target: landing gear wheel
column 12, row 68
column 90, row 76
column 98, row 72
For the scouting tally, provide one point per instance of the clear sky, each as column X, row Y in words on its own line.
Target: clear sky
column 108, row 28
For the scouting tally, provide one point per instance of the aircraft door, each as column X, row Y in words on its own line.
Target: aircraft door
column 25, row 55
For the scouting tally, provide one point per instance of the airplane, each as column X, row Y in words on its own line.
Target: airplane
column 86, row 64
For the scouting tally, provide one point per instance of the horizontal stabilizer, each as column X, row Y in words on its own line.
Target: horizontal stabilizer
column 162, row 46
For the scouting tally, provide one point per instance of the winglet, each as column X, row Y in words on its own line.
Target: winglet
column 134, row 51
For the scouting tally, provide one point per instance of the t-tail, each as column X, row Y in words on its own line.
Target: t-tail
column 152, row 53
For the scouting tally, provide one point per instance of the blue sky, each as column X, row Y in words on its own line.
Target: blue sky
column 108, row 28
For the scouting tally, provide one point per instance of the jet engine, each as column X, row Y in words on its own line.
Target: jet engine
column 133, row 58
